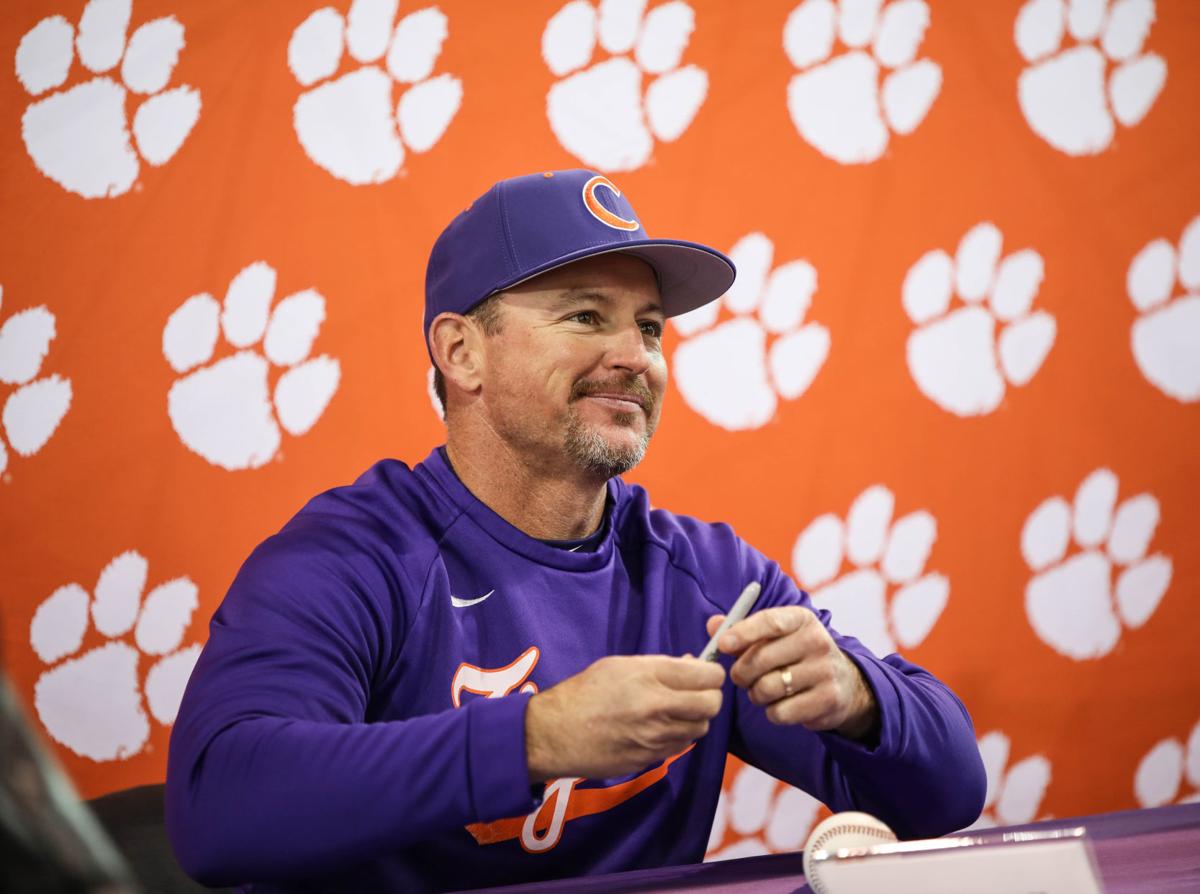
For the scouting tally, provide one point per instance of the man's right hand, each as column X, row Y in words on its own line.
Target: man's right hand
column 620, row 714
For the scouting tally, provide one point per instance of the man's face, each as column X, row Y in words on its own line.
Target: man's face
column 575, row 373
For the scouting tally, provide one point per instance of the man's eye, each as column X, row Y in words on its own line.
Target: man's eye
column 584, row 316
column 652, row 329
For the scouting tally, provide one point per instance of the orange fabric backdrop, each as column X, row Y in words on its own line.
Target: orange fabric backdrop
column 1099, row 711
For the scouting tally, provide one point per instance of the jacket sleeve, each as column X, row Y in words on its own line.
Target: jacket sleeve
column 273, row 771
column 923, row 775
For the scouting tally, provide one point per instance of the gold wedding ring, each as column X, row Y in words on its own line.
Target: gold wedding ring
column 785, row 674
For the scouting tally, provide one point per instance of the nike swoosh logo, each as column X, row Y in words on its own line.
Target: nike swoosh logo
column 463, row 603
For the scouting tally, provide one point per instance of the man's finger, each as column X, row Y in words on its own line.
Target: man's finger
column 798, row 648
column 690, row 673
column 694, row 706
column 711, row 625
column 684, row 736
column 770, row 686
column 816, row 709
column 770, row 623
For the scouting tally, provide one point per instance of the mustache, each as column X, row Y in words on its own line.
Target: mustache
column 630, row 386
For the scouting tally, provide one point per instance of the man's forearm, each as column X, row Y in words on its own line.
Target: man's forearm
column 274, row 798
column 921, row 773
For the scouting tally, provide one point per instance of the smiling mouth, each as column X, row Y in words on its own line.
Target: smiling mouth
column 622, row 402
column 622, row 396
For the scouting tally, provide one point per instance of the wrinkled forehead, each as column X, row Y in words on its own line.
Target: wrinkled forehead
column 612, row 277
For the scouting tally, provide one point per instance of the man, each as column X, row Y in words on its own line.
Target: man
column 477, row 671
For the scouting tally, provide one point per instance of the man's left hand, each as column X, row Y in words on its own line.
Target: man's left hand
column 788, row 663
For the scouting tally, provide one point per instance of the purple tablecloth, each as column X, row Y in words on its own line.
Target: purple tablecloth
column 1144, row 851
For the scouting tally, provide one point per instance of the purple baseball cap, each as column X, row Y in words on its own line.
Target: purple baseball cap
column 528, row 225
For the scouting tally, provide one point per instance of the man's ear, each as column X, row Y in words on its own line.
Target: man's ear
column 456, row 345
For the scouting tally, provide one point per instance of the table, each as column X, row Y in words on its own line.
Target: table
column 1154, row 851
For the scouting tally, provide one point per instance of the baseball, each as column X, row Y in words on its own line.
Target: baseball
column 842, row 830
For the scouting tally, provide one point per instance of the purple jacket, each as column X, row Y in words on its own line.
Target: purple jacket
column 356, row 720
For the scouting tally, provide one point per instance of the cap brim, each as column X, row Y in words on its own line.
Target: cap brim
column 689, row 274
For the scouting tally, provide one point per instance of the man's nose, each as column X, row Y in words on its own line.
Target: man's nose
column 626, row 349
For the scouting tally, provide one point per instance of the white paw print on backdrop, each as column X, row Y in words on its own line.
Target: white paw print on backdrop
column 1014, row 794
column 79, row 137
column 601, row 114
column 93, row 703
column 881, row 556
column 1069, row 601
column 225, row 410
column 32, row 412
column 1161, row 774
column 952, row 356
column 1068, row 96
column 351, row 126
column 1166, row 336
column 838, row 104
column 769, row 815
column 726, row 372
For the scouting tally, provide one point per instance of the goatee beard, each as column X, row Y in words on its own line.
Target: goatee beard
column 590, row 450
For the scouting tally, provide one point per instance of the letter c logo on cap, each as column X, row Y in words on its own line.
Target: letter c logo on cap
column 601, row 213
